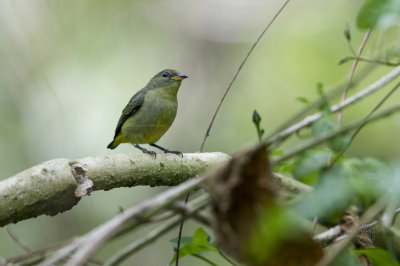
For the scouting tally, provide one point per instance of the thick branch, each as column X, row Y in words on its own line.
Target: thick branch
column 57, row 185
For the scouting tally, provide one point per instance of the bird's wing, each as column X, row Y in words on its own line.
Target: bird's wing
column 134, row 104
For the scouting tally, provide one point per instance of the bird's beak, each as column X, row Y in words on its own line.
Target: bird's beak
column 179, row 77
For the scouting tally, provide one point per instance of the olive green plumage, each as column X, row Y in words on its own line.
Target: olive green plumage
column 150, row 112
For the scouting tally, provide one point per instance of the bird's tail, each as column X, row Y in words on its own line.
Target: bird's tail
column 113, row 144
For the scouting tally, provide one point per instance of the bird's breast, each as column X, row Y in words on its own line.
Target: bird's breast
column 152, row 120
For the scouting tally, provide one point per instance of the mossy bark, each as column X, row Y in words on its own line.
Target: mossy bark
column 57, row 185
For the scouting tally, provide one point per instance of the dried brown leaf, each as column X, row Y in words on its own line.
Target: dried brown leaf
column 244, row 197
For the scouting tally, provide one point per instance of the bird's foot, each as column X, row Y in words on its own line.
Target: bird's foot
column 166, row 150
column 174, row 152
column 146, row 151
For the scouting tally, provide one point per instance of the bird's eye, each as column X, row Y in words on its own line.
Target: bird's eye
column 165, row 74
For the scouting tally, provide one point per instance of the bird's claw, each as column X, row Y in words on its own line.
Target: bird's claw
column 174, row 152
column 151, row 153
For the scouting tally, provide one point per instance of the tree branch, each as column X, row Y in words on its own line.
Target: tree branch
column 330, row 134
column 349, row 101
column 57, row 185
column 86, row 245
column 318, row 102
column 186, row 211
column 352, row 71
column 83, row 247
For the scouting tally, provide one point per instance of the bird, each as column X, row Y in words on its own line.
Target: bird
column 150, row 113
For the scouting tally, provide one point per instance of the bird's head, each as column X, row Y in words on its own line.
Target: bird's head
column 167, row 78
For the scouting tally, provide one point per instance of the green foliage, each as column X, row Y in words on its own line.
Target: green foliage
column 276, row 153
column 256, row 121
column 379, row 13
column 284, row 167
column 330, row 198
column 340, row 142
column 369, row 179
column 378, row 257
column 350, row 181
column 197, row 245
column 306, row 167
column 346, row 258
column 324, row 125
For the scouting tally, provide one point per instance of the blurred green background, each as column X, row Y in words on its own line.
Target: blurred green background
column 67, row 68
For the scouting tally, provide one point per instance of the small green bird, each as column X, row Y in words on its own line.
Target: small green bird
column 150, row 112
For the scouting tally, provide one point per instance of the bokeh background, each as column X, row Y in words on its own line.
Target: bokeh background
column 67, row 68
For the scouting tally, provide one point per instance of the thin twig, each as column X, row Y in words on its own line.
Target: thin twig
column 181, row 207
column 318, row 102
column 349, row 82
column 62, row 253
column 18, row 241
column 314, row 226
column 329, row 235
column 328, row 135
column 351, row 47
column 220, row 103
column 227, row 258
column 135, row 215
column 365, row 122
column 180, row 233
column 204, row 259
column 38, row 253
column 376, row 61
column 238, row 71
column 123, row 254
column 349, row 101
column 352, row 71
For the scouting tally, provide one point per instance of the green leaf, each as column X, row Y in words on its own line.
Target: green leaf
column 344, row 60
column 320, row 89
column 196, row 245
column 347, row 258
column 323, row 125
column 378, row 256
column 184, row 241
column 284, row 167
column 276, row 153
column 369, row 178
column 303, row 100
column 310, row 162
column 200, row 237
column 340, row 142
column 379, row 13
column 331, row 195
